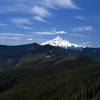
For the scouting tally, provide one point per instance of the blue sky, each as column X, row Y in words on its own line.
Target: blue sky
column 28, row 21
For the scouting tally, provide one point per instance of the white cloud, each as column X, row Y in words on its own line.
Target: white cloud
column 26, row 5
column 45, row 33
column 78, row 35
column 18, row 39
column 39, row 18
column 61, row 32
column 40, row 9
column 83, row 29
column 4, row 25
column 9, row 36
column 40, row 13
column 43, row 11
column 30, row 39
column 21, row 21
column 14, row 36
column 79, row 18
column 61, row 3
column 26, row 27
column 53, row 32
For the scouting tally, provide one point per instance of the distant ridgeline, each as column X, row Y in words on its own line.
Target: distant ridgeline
column 10, row 55
column 21, row 50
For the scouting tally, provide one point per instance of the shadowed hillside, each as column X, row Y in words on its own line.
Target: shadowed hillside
column 11, row 55
column 48, row 73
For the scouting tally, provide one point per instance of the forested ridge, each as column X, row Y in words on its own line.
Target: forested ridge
column 51, row 76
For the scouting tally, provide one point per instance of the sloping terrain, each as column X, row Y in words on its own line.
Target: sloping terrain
column 45, row 77
column 11, row 55
column 49, row 73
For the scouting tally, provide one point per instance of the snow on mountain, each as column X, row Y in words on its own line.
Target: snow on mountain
column 58, row 41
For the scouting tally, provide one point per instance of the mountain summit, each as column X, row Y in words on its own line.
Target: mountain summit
column 59, row 41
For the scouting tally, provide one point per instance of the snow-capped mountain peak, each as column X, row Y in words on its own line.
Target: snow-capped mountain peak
column 58, row 41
